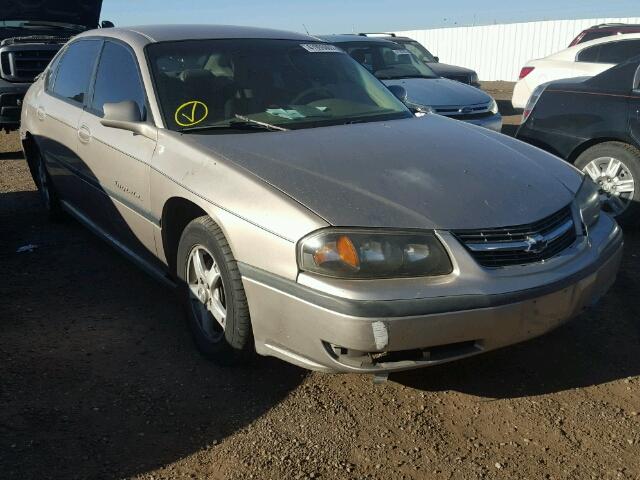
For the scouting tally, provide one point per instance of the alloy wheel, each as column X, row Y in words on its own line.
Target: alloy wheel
column 206, row 293
column 617, row 185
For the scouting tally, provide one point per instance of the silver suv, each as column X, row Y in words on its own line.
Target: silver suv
column 396, row 66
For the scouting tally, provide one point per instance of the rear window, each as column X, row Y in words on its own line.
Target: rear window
column 612, row 52
column 75, row 70
column 594, row 35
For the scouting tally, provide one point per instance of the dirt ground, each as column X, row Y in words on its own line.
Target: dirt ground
column 99, row 380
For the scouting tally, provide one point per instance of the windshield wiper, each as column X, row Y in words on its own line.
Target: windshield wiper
column 244, row 124
column 402, row 77
column 54, row 25
column 267, row 126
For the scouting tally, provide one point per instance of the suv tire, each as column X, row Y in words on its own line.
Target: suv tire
column 623, row 161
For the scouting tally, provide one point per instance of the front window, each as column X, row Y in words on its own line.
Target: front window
column 238, row 84
column 117, row 79
column 419, row 51
column 388, row 61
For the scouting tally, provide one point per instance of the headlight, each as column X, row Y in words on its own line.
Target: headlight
column 474, row 80
column 493, row 106
column 367, row 254
column 588, row 200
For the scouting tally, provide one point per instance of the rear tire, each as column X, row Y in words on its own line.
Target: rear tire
column 48, row 194
column 215, row 301
column 615, row 167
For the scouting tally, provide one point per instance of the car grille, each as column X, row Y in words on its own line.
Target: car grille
column 25, row 65
column 465, row 113
column 523, row 244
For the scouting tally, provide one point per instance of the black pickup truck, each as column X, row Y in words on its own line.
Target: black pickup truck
column 31, row 33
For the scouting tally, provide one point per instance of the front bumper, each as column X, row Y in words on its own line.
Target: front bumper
column 521, row 94
column 323, row 332
column 11, row 98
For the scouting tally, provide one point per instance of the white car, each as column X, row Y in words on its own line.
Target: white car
column 584, row 60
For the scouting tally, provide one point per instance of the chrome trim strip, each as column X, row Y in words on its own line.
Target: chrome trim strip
column 457, row 110
column 522, row 245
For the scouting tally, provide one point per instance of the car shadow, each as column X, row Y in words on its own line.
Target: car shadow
column 599, row 346
column 506, row 108
column 510, row 130
column 17, row 155
column 100, row 378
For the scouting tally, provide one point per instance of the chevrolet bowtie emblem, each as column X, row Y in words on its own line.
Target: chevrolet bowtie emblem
column 536, row 244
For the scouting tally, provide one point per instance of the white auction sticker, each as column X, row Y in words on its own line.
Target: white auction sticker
column 320, row 48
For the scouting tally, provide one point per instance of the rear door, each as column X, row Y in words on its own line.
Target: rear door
column 58, row 110
column 118, row 159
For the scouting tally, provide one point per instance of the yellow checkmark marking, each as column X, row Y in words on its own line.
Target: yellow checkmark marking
column 191, row 113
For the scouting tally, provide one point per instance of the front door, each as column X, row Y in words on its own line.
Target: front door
column 119, row 159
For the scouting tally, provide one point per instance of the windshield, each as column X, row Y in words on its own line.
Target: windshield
column 226, row 84
column 388, row 61
column 418, row 51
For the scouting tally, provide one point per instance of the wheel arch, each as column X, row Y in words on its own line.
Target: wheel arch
column 177, row 213
column 583, row 147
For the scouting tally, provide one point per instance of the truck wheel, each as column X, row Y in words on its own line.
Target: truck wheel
column 215, row 301
column 47, row 191
column 615, row 167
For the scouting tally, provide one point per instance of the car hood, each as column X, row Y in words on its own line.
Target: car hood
column 443, row 69
column 440, row 92
column 429, row 172
column 77, row 12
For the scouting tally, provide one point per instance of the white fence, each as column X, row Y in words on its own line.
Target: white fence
column 498, row 52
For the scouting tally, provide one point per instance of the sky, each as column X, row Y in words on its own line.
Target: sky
column 346, row 16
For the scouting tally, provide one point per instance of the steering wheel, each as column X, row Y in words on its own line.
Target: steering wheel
column 317, row 91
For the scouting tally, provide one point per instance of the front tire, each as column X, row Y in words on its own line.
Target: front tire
column 615, row 167
column 215, row 301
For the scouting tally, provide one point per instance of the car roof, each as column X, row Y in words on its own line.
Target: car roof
column 571, row 52
column 352, row 38
column 386, row 36
column 167, row 33
column 614, row 26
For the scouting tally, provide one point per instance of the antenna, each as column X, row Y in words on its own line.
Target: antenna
column 306, row 29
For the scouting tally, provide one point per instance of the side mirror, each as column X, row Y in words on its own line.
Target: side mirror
column 437, row 59
column 399, row 91
column 126, row 116
column 106, row 24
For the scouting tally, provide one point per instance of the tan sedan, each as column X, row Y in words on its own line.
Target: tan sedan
column 302, row 209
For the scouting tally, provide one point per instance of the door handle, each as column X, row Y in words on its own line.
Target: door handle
column 84, row 134
column 41, row 114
